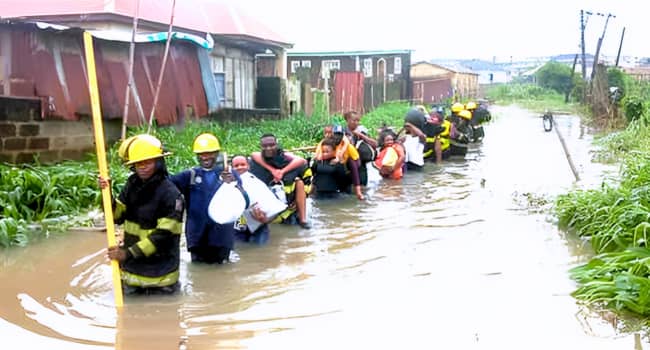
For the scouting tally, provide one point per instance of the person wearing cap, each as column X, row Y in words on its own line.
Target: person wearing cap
column 150, row 207
column 328, row 132
column 346, row 154
column 207, row 241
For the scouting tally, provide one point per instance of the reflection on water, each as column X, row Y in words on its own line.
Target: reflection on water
column 456, row 256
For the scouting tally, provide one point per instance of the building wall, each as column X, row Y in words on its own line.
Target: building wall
column 432, row 90
column 466, row 85
column 25, row 137
column 51, row 65
column 238, row 68
column 383, row 79
column 354, row 63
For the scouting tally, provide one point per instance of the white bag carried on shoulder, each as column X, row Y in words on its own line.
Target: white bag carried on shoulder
column 227, row 204
column 262, row 197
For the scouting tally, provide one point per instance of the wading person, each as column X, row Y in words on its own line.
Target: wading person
column 328, row 172
column 207, row 241
column 366, row 146
column 391, row 156
column 275, row 166
column 243, row 232
column 151, row 209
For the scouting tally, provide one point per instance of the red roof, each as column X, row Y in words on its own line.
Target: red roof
column 208, row 16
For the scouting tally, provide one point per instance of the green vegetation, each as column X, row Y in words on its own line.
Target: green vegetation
column 615, row 218
column 533, row 97
column 32, row 197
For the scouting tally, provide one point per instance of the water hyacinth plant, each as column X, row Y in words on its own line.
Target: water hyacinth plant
column 616, row 221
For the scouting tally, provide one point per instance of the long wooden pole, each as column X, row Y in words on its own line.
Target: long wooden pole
column 101, row 161
column 162, row 67
column 129, row 84
column 566, row 150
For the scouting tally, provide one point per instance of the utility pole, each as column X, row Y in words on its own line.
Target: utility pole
column 600, row 43
column 573, row 71
column 582, row 42
column 618, row 55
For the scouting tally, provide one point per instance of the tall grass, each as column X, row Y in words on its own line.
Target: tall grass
column 531, row 96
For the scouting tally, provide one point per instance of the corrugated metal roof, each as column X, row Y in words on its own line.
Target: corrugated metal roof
column 208, row 16
column 348, row 53
column 451, row 66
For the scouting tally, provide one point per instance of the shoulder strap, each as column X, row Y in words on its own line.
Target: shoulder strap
column 192, row 176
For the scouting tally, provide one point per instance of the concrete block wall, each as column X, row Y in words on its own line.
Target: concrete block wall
column 26, row 138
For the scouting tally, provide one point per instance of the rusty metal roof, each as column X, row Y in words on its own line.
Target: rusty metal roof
column 218, row 17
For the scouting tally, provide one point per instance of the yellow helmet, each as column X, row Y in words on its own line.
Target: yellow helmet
column 206, row 142
column 124, row 147
column 144, row 147
column 465, row 114
column 470, row 105
column 457, row 107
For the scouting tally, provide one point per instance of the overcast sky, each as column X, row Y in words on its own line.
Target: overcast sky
column 456, row 28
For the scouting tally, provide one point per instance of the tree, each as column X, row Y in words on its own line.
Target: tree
column 554, row 75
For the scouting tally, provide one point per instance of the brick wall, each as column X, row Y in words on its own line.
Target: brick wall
column 25, row 137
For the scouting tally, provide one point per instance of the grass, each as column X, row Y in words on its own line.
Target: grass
column 534, row 98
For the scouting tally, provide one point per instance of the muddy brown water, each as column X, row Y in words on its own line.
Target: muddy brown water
column 460, row 256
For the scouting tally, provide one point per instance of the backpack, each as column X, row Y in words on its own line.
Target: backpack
column 366, row 152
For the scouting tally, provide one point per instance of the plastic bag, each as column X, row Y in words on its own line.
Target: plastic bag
column 262, row 197
column 227, row 204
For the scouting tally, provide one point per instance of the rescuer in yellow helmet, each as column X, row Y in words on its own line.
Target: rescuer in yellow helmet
column 207, row 241
column 151, row 209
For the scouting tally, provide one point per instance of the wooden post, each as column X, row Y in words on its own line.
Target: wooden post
column 162, row 68
column 129, row 84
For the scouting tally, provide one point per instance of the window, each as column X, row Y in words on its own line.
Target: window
column 217, row 64
column 306, row 63
column 397, row 65
column 294, row 65
column 328, row 65
column 367, row 67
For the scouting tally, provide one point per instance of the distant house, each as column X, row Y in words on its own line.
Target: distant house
column 639, row 73
column 488, row 72
column 433, row 83
column 372, row 77
column 210, row 67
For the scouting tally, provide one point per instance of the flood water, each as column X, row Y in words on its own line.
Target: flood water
column 461, row 256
